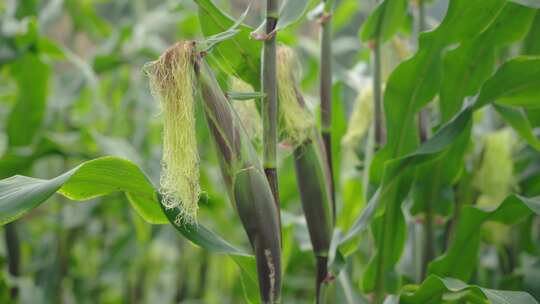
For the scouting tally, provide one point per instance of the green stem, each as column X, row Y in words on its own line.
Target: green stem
column 377, row 95
column 379, row 142
column 421, row 17
column 326, row 91
column 429, row 250
column 13, row 254
column 429, row 244
column 326, row 130
column 322, row 274
column 269, row 106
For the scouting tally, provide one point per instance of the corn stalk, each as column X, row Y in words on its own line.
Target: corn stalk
column 312, row 176
column 377, row 94
column 326, row 89
column 423, row 129
column 13, row 254
column 269, row 105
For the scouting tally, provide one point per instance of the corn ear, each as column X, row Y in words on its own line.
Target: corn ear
column 311, row 165
column 311, row 172
column 360, row 119
column 246, row 182
column 495, row 177
column 312, row 180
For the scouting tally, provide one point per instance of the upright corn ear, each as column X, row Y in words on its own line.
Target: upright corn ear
column 312, row 172
column 246, row 182
column 360, row 120
column 171, row 83
column 312, row 180
column 495, row 179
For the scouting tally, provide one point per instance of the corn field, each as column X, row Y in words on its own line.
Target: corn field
column 270, row 151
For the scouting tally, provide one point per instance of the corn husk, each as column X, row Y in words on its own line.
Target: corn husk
column 247, row 184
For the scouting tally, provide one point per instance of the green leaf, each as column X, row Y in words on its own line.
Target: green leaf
column 290, row 12
column 396, row 182
column 385, row 21
column 248, row 277
column 211, row 41
column 394, row 173
column 411, row 86
column 467, row 67
column 200, row 235
column 98, row 177
column 26, row 117
column 107, row 62
column 515, row 83
column 244, row 95
column 15, row 161
column 530, row 3
column 461, row 257
column 240, row 55
column 389, row 231
column 415, row 81
column 91, row 179
column 434, row 288
column 531, row 45
column 520, row 122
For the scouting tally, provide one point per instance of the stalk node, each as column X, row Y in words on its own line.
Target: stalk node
column 260, row 36
column 372, row 44
column 325, row 17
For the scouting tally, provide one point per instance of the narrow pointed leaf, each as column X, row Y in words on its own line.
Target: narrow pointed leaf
column 520, row 122
column 98, row 177
column 239, row 55
column 515, row 83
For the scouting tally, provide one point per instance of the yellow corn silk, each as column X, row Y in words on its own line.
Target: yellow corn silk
column 171, row 81
column 247, row 111
column 351, row 177
column 296, row 122
column 494, row 180
column 360, row 119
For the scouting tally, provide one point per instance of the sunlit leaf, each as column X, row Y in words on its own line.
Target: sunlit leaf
column 102, row 176
column 515, row 83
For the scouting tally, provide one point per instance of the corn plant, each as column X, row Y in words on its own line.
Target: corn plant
column 362, row 151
